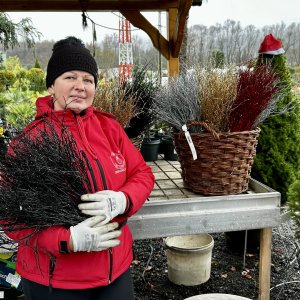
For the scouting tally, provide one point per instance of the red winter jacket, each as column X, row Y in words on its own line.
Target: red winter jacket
column 116, row 165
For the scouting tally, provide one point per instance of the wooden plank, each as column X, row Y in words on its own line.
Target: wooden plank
column 265, row 263
column 90, row 5
column 171, row 23
column 173, row 62
column 181, row 21
column 173, row 66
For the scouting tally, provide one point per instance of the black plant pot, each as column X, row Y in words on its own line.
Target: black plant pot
column 149, row 149
column 235, row 240
column 168, row 148
column 160, row 136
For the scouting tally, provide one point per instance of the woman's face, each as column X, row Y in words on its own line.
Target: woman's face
column 74, row 90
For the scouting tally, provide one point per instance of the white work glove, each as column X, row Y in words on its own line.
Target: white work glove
column 90, row 235
column 105, row 203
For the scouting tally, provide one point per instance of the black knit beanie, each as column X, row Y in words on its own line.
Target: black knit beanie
column 70, row 54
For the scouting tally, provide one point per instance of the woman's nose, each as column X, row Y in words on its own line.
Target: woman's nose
column 79, row 84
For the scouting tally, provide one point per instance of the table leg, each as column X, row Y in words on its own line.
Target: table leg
column 265, row 263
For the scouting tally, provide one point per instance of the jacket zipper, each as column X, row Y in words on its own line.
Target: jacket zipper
column 91, row 171
column 102, row 175
column 110, row 264
column 52, row 263
column 96, row 189
column 110, row 249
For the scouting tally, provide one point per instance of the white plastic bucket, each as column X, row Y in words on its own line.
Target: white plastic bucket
column 217, row 297
column 189, row 258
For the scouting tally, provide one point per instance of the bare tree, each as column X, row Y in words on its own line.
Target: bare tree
column 240, row 44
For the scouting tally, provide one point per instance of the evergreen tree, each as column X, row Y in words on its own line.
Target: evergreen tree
column 217, row 58
column 37, row 64
column 278, row 161
column 10, row 32
column 36, row 79
column 294, row 204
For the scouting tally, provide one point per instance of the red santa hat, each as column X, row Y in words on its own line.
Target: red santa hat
column 270, row 45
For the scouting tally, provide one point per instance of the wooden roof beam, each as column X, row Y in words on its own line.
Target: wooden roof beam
column 176, row 24
column 89, row 5
column 176, row 36
column 173, row 62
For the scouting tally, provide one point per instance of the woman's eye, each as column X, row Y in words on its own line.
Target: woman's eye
column 70, row 77
column 88, row 80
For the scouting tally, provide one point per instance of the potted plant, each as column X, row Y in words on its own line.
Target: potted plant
column 112, row 98
column 164, row 132
column 150, row 147
column 142, row 88
column 131, row 102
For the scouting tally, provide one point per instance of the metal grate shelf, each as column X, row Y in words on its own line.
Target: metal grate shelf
column 174, row 210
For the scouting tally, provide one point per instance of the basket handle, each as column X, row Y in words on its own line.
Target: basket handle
column 206, row 126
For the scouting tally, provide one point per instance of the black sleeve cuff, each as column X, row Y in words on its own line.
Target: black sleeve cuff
column 63, row 245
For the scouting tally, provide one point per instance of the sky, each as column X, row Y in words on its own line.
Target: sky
column 55, row 26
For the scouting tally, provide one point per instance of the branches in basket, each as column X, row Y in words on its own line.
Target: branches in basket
column 41, row 181
column 255, row 91
column 217, row 91
column 177, row 103
column 229, row 100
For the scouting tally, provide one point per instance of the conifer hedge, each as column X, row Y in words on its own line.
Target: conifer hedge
column 277, row 162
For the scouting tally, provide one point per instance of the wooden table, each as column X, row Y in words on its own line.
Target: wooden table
column 174, row 210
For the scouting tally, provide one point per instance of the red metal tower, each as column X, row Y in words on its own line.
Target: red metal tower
column 125, row 49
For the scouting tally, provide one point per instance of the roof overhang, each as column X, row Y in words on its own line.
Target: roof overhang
column 177, row 15
column 90, row 5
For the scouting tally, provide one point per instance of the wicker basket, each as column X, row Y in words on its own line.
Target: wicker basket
column 223, row 163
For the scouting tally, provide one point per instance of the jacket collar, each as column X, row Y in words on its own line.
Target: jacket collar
column 44, row 107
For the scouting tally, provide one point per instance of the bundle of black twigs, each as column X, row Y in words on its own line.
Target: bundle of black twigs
column 41, row 181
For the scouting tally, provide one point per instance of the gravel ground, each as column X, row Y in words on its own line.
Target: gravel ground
column 231, row 271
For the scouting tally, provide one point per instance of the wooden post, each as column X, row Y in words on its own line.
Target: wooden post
column 173, row 66
column 265, row 263
column 173, row 62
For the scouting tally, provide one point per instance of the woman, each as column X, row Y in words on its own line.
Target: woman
column 90, row 260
